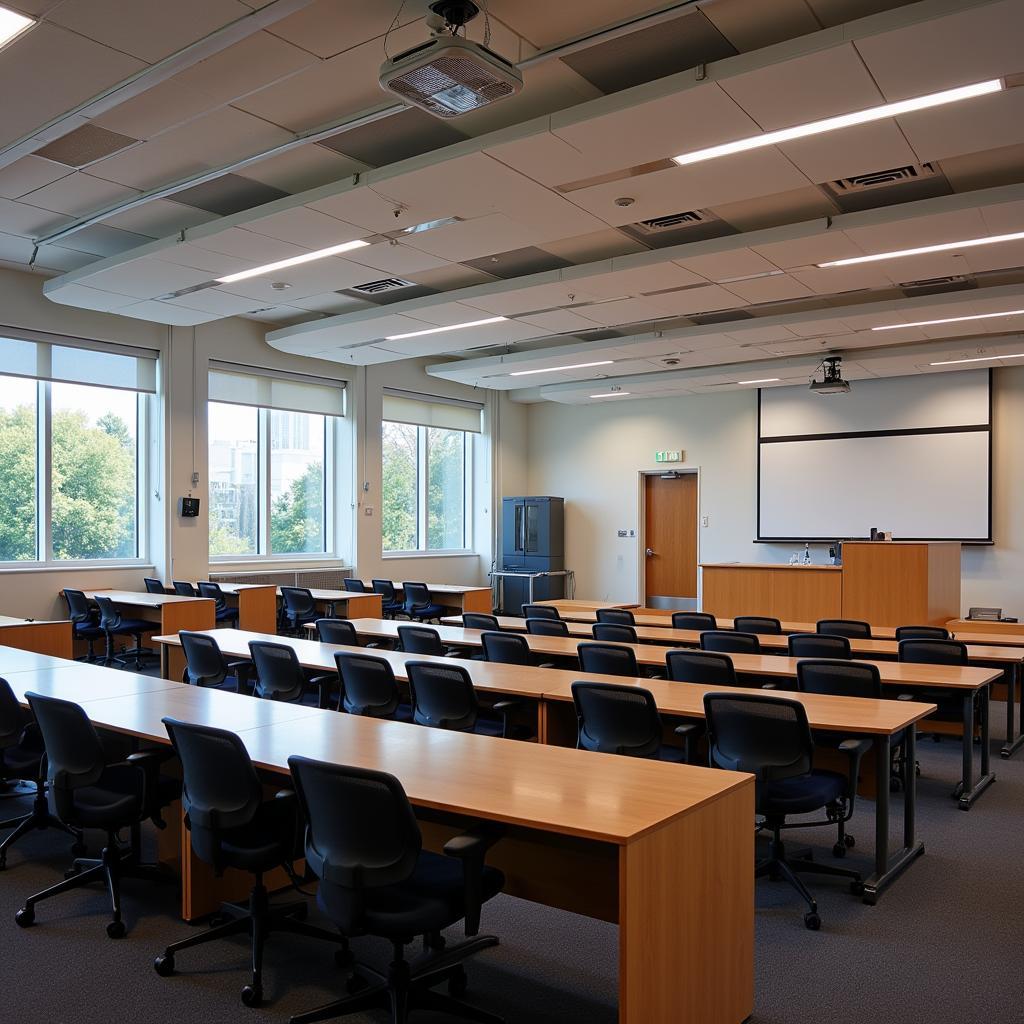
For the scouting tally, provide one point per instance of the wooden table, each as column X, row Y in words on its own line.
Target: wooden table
column 782, row 591
column 663, row 850
column 455, row 596
column 334, row 602
column 54, row 637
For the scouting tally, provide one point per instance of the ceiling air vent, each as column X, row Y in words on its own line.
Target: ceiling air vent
column 675, row 228
column 672, row 220
column 882, row 179
column 938, row 285
column 385, row 284
column 892, row 185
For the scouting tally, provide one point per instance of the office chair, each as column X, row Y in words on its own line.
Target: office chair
column 279, row 676
column 21, row 758
column 479, row 620
column 509, row 649
column 757, row 624
column 621, row 719
column 607, row 659
column 84, row 621
column 443, row 698
column 231, row 825
column 205, row 665
column 922, row 633
column 363, row 843
column 420, row 640
column 114, row 624
column 770, row 738
column 222, row 610
column 540, row 611
column 88, row 791
column 707, row 667
column 926, row 651
column 854, row 629
column 369, row 688
column 419, row 604
column 614, row 632
column 620, row 616
column 298, row 608
column 183, row 589
column 728, row 641
column 694, row 620
column 547, row 627
column 819, row 645
column 354, row 585
column 337, row 631
column 390, row 604
column 153, row 586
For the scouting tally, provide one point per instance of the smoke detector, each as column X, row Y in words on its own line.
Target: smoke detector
column 831, row 382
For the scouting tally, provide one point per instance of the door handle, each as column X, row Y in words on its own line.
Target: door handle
column 649, row 552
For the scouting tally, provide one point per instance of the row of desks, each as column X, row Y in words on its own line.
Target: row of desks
column 666, row 851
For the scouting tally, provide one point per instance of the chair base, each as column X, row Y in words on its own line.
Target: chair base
column 38, row 819
column 409, row 986
column 121, row 659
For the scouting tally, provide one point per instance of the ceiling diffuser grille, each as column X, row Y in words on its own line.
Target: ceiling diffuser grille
column 385, row 284
column 672, row 220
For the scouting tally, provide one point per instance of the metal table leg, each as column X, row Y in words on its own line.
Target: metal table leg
column 1014, row 684
column 968, row 791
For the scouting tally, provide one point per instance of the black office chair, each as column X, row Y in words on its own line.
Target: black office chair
column 620, row 616
column 279, row 676
column 390, row 603
column 614, row 632
column 479, row 620
column 547, row 627
column 205, row 664
column 355, row 586
column 184, row 589
column 84, row 621
column 443, row 698
column 153, row 586
column 114, row 624
column 420, row 640
column 854, row 629
column 363, row 843
column 694, row 620
column 298, row 608
column 369, row 687
column 419, row 605
column 222, row 610
column 922, row 633
column 231, row 825
column 757, row 624
column 88, row 791
column 337, row 631
column 728, row 641
column 710, row 668
column 770, row 738
column 21, row 758
column 819, row 645
column 925, row 651
column 608, row 659
column 540, row 611
column 509, row 649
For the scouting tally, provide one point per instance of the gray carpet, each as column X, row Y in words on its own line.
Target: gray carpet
column 943, row 944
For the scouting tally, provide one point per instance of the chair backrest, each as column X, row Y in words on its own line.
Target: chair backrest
column 213, row 592
column 614, row 632
column 710, row 668
column 933, row 652
column 839, row 678
column 368, row 685
column 297, row 601
column 337, row 631
column 385, row 588
column 280, row 676
column 621, row 616
column 506, row 648
column 616, row 719
column 220, row 789
column 74, row 754
column 110, row 616
column 757, row 624
column 13, row 718
column 204, row 663
column 767, row 736
column 361, row 833
column 540, row 611
column 607, row 659
column 922, row 633
column 153, row 586
column 184, row 589
column 694, row 620
column 354, row 585
column 728, row 641
column 417, row 595
column 855, row 629
column 547, row 627
column 79, row 610
column 819, row 645
column 442, row 695
column 420, row 640
column 480, row 620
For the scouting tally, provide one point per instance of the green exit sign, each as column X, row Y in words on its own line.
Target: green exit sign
column 668, row 456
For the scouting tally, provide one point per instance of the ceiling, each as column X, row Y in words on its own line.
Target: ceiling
column 174, row 150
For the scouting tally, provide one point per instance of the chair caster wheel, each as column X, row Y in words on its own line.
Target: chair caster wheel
column 839, row 850
column 812, row 922
column 252, row 995
column 79, row 849
column 164, row 965
column 25, row 917
column 116, row 930
column 850, row 841
column 458, row 983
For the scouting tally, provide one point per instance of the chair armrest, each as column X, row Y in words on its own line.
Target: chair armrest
column 151, row 758
column 325, row 684
column 854, row 749
column 285, row 794
column 505, row 705
column 905, row 696
column 688, row 729
column 769, row 686
column 149, row 762
column 471, row 848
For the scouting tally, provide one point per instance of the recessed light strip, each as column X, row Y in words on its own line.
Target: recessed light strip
column 555, row 369
column 951, row 320
column 924, row 250
column 977, row 359
column 12, row 24
column 611, row 394
column 451, row 327
column 763, row 380
column 293, row 261
column 831, row 124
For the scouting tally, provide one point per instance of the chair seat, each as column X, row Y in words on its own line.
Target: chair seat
column 801, row 793
column 264, row 843
column 227, row 615
column 115, row 799
column 134, row 626
column 87, row 632
column 432, row 899
column 21, row 762
column 427, row 611
column 488, row 727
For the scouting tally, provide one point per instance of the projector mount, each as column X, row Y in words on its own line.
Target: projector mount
column 454, row 13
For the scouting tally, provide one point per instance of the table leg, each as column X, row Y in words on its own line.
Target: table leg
column 1014, row 692
column 968, row 791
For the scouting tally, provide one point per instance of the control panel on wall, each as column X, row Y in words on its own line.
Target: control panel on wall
column 188, row 508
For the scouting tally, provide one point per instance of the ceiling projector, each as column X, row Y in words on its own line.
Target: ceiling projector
column 831, row 382
column 449, row 75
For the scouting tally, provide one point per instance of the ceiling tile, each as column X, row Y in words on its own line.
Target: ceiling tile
column 28, row 173
column 228, row 194
column 303, row 226
column 30, row 221
column 159, row 218
column 750, row 24
column 147, row 278
column 861, row 150
column 451, row 276
column 85, row 145
column 396, row 258
column 478, row 237
column 321, row 28
column 303, row 168
column 719, row 266
column 517, row 263
column 1002, row 166
column 597, row 245
column 404, row 135
column 103, row 240
column 781, row 208
column 78, row 194
column 770, row 289
column 696, row 300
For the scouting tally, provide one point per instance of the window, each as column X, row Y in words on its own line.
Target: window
column 72, row 478
column 271, row 468
column 426, row 467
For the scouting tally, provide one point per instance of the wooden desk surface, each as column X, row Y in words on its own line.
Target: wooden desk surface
column 11, row 620
column 439, row 588
column 565, row 605
column 330, row 596
column 799, row 566
column 142, row 598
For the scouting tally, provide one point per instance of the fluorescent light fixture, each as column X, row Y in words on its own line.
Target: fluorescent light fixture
column 950, row 320
column 12, row 24
column 554, row 369
column 763, row 380
column 611, row 394
column 831, row 124
column 293, row 261
column 923, row 250
column 452, row 327
column 977, row 359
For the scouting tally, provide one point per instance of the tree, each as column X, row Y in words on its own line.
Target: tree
column 399, row 466
column 297, row 516
column 18, row 484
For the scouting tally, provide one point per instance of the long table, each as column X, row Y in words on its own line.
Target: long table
column 43, row 636
column 333, row 602
column 455, row 596
column 663, row 850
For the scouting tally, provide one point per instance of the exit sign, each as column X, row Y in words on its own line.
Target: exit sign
column 671, row 456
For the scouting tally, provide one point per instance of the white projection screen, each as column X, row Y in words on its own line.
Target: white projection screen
column 910, row 455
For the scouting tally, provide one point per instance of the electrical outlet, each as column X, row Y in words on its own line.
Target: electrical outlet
column 632, row 533
column 621, row 533
column 705, row 520
column 368, row 510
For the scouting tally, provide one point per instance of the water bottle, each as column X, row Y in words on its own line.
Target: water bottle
column 807, row 554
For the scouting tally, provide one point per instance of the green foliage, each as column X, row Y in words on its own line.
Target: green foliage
column 398, row 492
column 18, row 484
column 446, row 505
column 297, row 516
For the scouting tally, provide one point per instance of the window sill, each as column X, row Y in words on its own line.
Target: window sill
column 389, row 555
column 334, row 561
column 11, row 567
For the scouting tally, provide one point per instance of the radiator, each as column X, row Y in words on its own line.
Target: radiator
column 314, row 579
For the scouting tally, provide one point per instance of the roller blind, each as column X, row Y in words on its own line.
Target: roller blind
column 430, row 411
column 290, row 392
column 121, row 368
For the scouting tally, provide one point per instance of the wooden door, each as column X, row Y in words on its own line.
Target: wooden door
column 670, row 535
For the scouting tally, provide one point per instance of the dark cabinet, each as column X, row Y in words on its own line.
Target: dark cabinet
column 532, row 540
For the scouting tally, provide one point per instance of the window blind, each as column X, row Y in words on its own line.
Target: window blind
column 121, row 368
column 431, row 411
column 268, row 390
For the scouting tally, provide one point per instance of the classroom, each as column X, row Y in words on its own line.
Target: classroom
column 510, row 512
